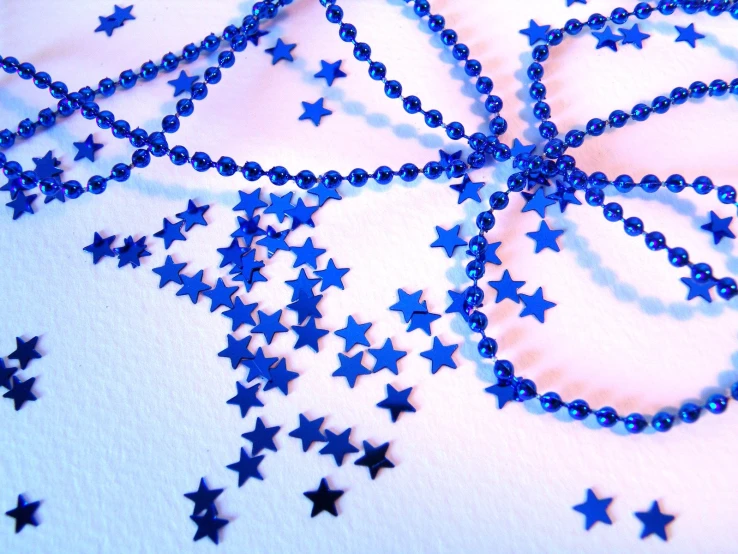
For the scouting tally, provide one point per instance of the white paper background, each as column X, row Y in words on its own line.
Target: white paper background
column 131, row 410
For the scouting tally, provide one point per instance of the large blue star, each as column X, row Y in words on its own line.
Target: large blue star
column 259, row 365
column 307, row 254
column 330, row 71
column 193, row 286
column 247, row 467
column 281, row 51
column 303, row 284
column 279, row 205
column 308, row 432
column 397, row 402
column 654, row 521
column 315, row 111
column 324, row 194
column 504, row 391
column 100, row 247
column 107, row 24
column 688, row 35
column 183, row 83
column 440, row 355
column 519, row 148
column 506, row 288
column 467, row 190
column 535, row 32
column 232, row 253
column 22, row 204
column 448, row 240
column 262, row 437
column 132, row 251
column 374, row 458
column 308, row 335
column 634, row 36
column 306, row 306
column 331, row 276
column 302, row 213
column 249, row 202
column 237, row 350
column 423, row 322
column 387, row 357
column 169, row 272
column 354, row 333
column 269, row 325
column 24, row 352
column 409, row 304
column 324, row 499
column 220, row 295
column 274, row 241
column 698, row 289
column 203, row 498
column 245, row 399
column 193, row 215
column 121, row 15
column 536, row 305
column 240, row 314
column 338, row 445
column 280, row 377
column 351, row 368
column 607, row 39
column 87, row 149
column 20, row 392
column 719, row 227
column 594, row 510
column 23, row 513
column 537, row 202
column 545, row 237
column 170, row 232
column 208, row 525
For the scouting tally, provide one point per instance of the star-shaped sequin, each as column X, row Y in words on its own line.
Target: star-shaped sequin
column 183, row 83
column 409, row 304
column 208, row 525
column 220, row 295
column 23, row 513
column 504, row 391
column 719, row 227
column 25, row 351
column 338, row 446
column 519, row 148
column 237, row 350
column 537, row 202
column 490, row 254
column 240, row 314
column 302, row 285
column 281, row 51
column 440, row 355
column 607, row 39
column 457, row 303
column 306, row 306
column 535, row 32
column 467, row 190
column 633, row 36
column 20, row 392
column 192, row 286
column 107, row 25
column 448, row 239
column 22, row 204
column 245, row 399
column 423, row 322
column 121, row 15
column 331, row 276
column 307, row 254
column 302, row 214
column 249, row 202
column 375, row 458
column 259, row 365
column 308, row 432
column 698, row 289
column 247, row 467
column 536, row 305
column 688, row 35
column 447, row 159
column 280, row 377
column 170, row 232
column 354, row 333
column 100, row 247
column 169, row 272
column 329, row 71
column 269, row 325
column 323, row 499
column 308, row 335
column 262, row 437
column 324, row 194
column 203, row 497
column 594, row 509
column 86, row 149
column 131, row 252
column 47, row 167
column 506, row 288
column 232, row 253
column 351, row 368
column 193, row 215
column 546, row 237
column 279, row 205
column 248, row 229
column 564, row 195
column 315, row 111
column 397, row 402
column 387, row 357
column 654, row 521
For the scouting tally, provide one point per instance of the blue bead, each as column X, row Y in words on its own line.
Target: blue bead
column 347, row 32
column 9, row 64
column 540, row 53
column 661, row 104
column 149, row 70
column 421, row 8
column 226, row 59
column 26, row 128
column 498, row 126
column 231, row 31
column 72, row 189
column 334, row 14
column 675, row 183
column 726, row 194
column 252, row 171
column 455, row 130
column 140, row 158
column 436, row 23
column 484, row 85
column 42, row 80
column 548, row 130
column 635, row 423
column 377, row 71
column 213, row 75
column 678, row 256
column 624, row 183
column 58, row 89
column 408, row 172
column 633, row 226
column 477, row 245
column 305, row 179
column 667, row 7
column 716, row 404
column 618, row 118
column 594, row 197
column 26, row 71
column 460, row 52
column 727, row 288
column 358, row 177
column 525, row 390
column 12, row 169
column 613, row 211
column 487, row 347
column 662, row 421
column 278, row 175
column 478, row 323
column 698, row 89
column 120, row 172
column 475, row 269
column 97, row 184
column 226, row 166
column 702, row 273
column 550, row 402
column 702, row 185
column 393, row 89
column 170, row 124
column 541, row 111
column 49, row 187
column 158, row 143
column 501, row 152
column 579, row 409
column 641, row 112
column 679, row 95
column 179, row 155
column 199, row 91
column 169, row 62
column 185, row 107
column 433, row 118
column 565, row 164
column 29, row 180
column 650, row 183
column 478, row 142
column 210, row 43
column 383, row 175
column 574, row 138
column 106, row 87
column 498, row 201
column 596, row 127
column 503, row 370
column 642, row 10
column 128, row 79
column 362, row 51
column 619, row 16
column 449, row 37
column 411, row 104
column 105, row 119
column 121, row 128
column 493, row 104
column 89, row 110
column 573, row 27
column 655, row 241
column 553, row 149
column 535, row 71
column 689, row 412
column 474, row 296
column 554, row 37
column 485, row 221
column 596, row 21
column 606, row 417
column 473, row 68
column 433, row 170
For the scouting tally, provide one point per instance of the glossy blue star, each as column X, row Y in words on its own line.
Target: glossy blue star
column 254, row 35
column 351, row 368
column 248, row 229
column 280, row 377
column 423, row 322
column 259, row 365
column 448, row 240
column 504, row 392
column 220, row 295
column 688, row 35
column 23, row 513
column 247, row 266
column 302, row 213
column 14, row 187
column 306, row 306
column 374, row 458
column 354, row 333
column 237, row 350
column 86, row 149
column 22, row 204
column 245, row 399
column 131, row 252
column 269, row 325
column 203, row 498
column 58, row 195
column 324, row 499
column 338, row 445
column 594, row 510
column 169, row 272
column 307, row 254
column 274, row 241
column 47, row 167
column 170, row 232
column 121, row 15
column 100, row 247
column 315, row 111
column 279, row 205
column 21, row 392
column 192, row 286
column 490, row 254
column 183, row 83
column 719, row 227
column 409, row 304
column 468, row 190
column 247, row 467
column 519, row 148
column 447, row 159
column 546, row 237
column 24, row 352
column 329, row 71
column 250, row 202
column 208, row 525
column 262, row 437
column 324, row 194
column 397, row 402
column 5, row 374
column 506, row 288
column 535, row 32
column 331, row 276
column 309, row 432
column 537, row 202
column 607, row 39
column 536, row 305
column 308, row 335
column 564, row 195
column 440, row 355
column 387, row 357
column 303, row 284
column 107, row 25
column 281, row 51
column 654, row 521
column 232, row 253
column 633, row 36
column 457, row 303
column 698, row 289
column 240, row 314
column 194, row 215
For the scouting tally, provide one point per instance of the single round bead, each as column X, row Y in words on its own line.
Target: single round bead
column 179, row 155
column 726, row 194
column 138, row 138
column 485, row 221
column 498, row 201
column 334, row 14
column 29, row 180
column 606, row 417
column 411, row 104
column 689, row 412
column 347, row 32
column 579, row 409
column 170, row 124
column 474, row 296
column 478, row 322
column 475, row 269
column 535, row 71
column 96, row 184
column 633, row 226
column 26, row 128
column 655, row 241
column 105, row 119
column 619, row 16
column 662, row 421
column 460, row 52
column 140, row 158
column 613, row 211
column 58, row 90
column 383, row 175
column 226, row 166
column 484, row 85
column 305, row 179
column 42, row 80
column 540, row 53
column 436, row 23
column 72, row 189
column 702, row 185
column 120, row 172
column 624, row 183
column 498, row 126
column 550, row 402
column 525, row 390
column 433, row 170
column 594, row 197
column 573, row 27
column 433, row 118
column 675, row 183
column 362, row 51
column 503, row 370
column 678, row 256
column 455, row 130
column 596, row 127
column 661, row 104
column 12, row 169
column 448, row 36
column 679, row 95
column 635, row 423
column 199, row 91
column 358, row 177
column 26, row 71
column 727, row 288
column 716, row 404
column 574, row 138
column 501, row 152
column 169, row 62
column 377, row 71
column 128, row 79
column 252, row 171
column 698, row 89
column 185, row 107
column 49, row 186
column 408, row 172
column 650, row 183
column 393, row 89
column 548, row 130
column 596, row 21
column 702, row 272
column 121, row 128
column 331, row 179
column 493, row 104
column 278, row 175
column 456, row 168
column 487, row 346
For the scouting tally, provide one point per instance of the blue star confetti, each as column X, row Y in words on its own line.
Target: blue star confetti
column 20, row 392
column 545, row 237
column 302, row 214
column 351, row 368
column 504, row 392
column 688, row 35
column 269, row 325
column 306, row 306
column 5, row 374
column 654, row 522
column 240, row 314
column 170, row 232
column 506, row 288
column 131, row 252
column 24, row 352
column 447, row 159
column 535, row 32
column 409, row 304
column 397, row 402
column 24, row 513
column 324, row 194
column 193, row 286
column 232, row 253
column 607, row 39
column 564, row 195
column 280, row 377
column 719, row 227
column 308, row 431
column 47, row 167
column 354, row 333
column 315, row 112
column 331, row 276
column 634, row 36
column 307, row 254
column 262, row 437
column 423, row 322
column 274, row 241
column 247, row 467
column 249, row 202
column 203, row 497
column 697, row 289
column 86, row 149
column 490, row 254
column 281, row 51
column 237, row 350
column 308, row 335
column 440, row 355
column 537, row 202
column 375, row 458
column 536, row 305
column 22, row 204
column 338, row 446
column 324, row 499
column 245, row 399
column 193, row 215
column 259, row 365
column 183, row 83
column 448, row 240
column 329, row 71
column 304, row 284
column 594, row 510
column 279, row 205
column 468, row 190
column 220, row 295
column 518, row 148
column 169, row 272
column 386, row 357
column 208, row 525
column 100, row 247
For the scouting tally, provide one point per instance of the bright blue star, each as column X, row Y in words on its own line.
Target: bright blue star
column 698, row 289
column 570, row 2
column 232, row 253
column 247, row 467
column 633, row 36
column 86, row 149
column 490, row 254
column 308, row 335
column 351, row 368
column 546, row 237
column 193, row 215
column 338, row 445
column 654, row 521
column 387, row 357
column 132, row 251
column 309, row 432
column 519, row 148
column 248, row 229
column 169, row 272
column 245, row 398
column 281, row 51
column 409, row 304
column 170, row 232
column 607, row 39
column 279, row 205
column 274, row 241
column 250, row 202
column 564, row 195
column 468, row 190
column 594, row 510
column 100, row 247
column 303, row 284
column 536, row 305
column 374, row 458
column 193, row 286
column 208, row 525
column 20, row 392
column 307, row 254
column 330, row 71
column 107, row 25
column 306, row 306
column 504, row 392
column 24, row 352
column 183, row 83
column 440, row 355
column 121, row 15
column 397, row 402
column 302, row 213
column 447, row 159
column 535, row 32
column 237, row 350
column 331, row 276
column 254, row 35
column 259, row 365
column 719, row 227
column 537, row 202
column 314, row 112
column 324, row 194
column 269, row 325
column 23, row 513
column 262, row 437
column 354, row 333
column 457, row 303
column 448, row 240
column 22, row 204
column 203, row 497
column 280, row 377
column 688, row 35
column 506, row 288
column 423, row 322
column 220, row 295
column 240, row 314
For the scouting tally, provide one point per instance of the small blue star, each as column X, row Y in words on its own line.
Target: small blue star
column 719, row 227
column 259, row 365
column 279, row 205
column 324, row 499
column 274, row 241
column 5, row 374
column 314, row 112
column 537, row 202
column 193, row 286
column 607, row 39
column 245, row 399
column 132, row 251
column 24, row 352
column 409, row 304
column 232, row 253
column 248, row 229
column 351, row 368
column 86, row 149
column 330, row 71
column 374, row 458
column 536, row 305
column 457, row 303
column 14, row 187
column 423, row 322
column 698, row 289
column 193, row 215
column 490, row 255
column 634, row 36
column 564, row 195
column 447, row 159
column 324, row 194
column 440, row 355
column 240, row 314
column 570, row 2
column 303, row 284
column 169, row 272
column 121, row 15
column 183, row 83
column 338, row 445
column 247, row 467
column 100, row 247
column 20, row 392
column 23, row 513
column 247, row 266
column 594, row 510
column 307, row 254
column 208, row 525
column 254, row 35
column 397, row 402
column 535, row 32
column 237, row 350
column 170, row 232
column 269, row 325
column 654, row 521
column 220, row 295
column 203, row 497
column 331, row 276
column 519, row 148
column 468, row 190
column 250, row 202
column 302, row 213
column 306, row 306
column 546, row 237
column 22, row 204
column 504, row 392
column 262, row 437
column 309, row 432
column 308, row 335
column 281, row 51
column 107, row 25
column 688, row 35
column 448, row 240
column 387, row 357
column 506, row 288
column 354, row 333
column 280, row 377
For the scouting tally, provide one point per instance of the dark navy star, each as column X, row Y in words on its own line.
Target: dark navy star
column 193, row 215
column 262, row 437
column 281, row 51
column 280, row 205
column 308, row 335
column 5, row 374
column 698, row 289
column 269, row 325
column 564, row 195
column 323, row 499
column 536, row 305
column 309, row 432
column 24, row 352
column 719, row 227
column 107, row 25
column 14, row 187
column 351, row 368
column 193, row 286
column 354, row 333
column 546, row 237
column 688, row 35
column 440, row 355
column 468, row 190
column 447, row 159
column 247, row 467
column 22, row 204
column 46, row 167
column 397, row 402
column 338, row 445
column 240, row 314
column 409, row 304
column 457, row 303
column 132, row 251
column 306, row 306
column 607, row 39
column 329, row 71
column 220, row 295
column 21, row 392
column 490, row 254
column 535, row 32
column 519, row 148
column 302, row 213
column 307, row 254
column 448, row 240
column 183, row 83
column 248, row 229
column 237, row 350
column 594, row 509
column 208, row 525
column 274, row 241
column 259, row 365
column 250, row 202
column 232, row 253
column 245, row 399
column 387, row 357
column 100, row 247
column 170, row 232
column 506, row 288
column 314, row 112
column 169, row 272
column 633, row 36
column 375, row 458
column 331, row 276
column 86, row 149
column 504, row 391
column 303, row 284
column 537, row 202
column 58, row 195
column 324, row 194
column 280, row 377
column 423, row 322
column 203, row 497
column 23, row 513
column 654, row 521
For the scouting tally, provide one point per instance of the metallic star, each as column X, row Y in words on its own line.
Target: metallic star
column 654, row 521
column 351, row 368
column 375, row 458
column 535, row 32
column 245, row 399
column 193, row 286
column 306, row 306
column 440, row 355
column 467, row 190
column 537, row 202
column 719, row 227
column 354, row 333
column 22, row 204
column 307, row 254
column 546, row 237
column 698, row 289
column 23, row 513
column 220, row 295
column 308, row 335
column 100, row 247
column 169, row 272
column 594, row 509
column 262, row 437
column 409, row 304
column 280, row 377
column 397, row 402
column 183, row 83
column 303, row 284
column 329, row 71
column 331, row 276
column 536, row 305
column 247, row 467
column 281, row 51
column 25, row 351
column 269, row 325
column 21, row 392
column 506, row 288
column 249, row 203
column 170, row 232
column 324, row 499
column 132, row 251
column 314, row 112
column 634, row 36
column 240, row 314
column 309, row 432
column 338, row 445
column 448, row 240
column 208, row 525
column 193, row 215
column 688, row 35
column 86, row 149
column 237, row 350
column 387, row 357
column 203, row 497
column 607, row 39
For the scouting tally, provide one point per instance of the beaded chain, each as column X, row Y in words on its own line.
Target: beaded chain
column 530, row 170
